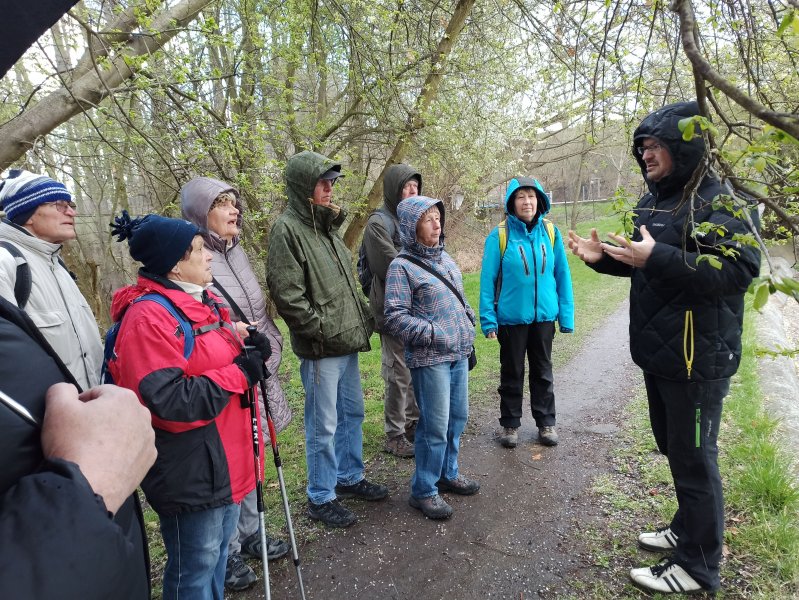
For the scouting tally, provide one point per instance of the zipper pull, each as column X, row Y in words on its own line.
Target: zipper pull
column 543, row 258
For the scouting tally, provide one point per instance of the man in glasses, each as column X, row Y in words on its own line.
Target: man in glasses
column 689, row 273
column 39, row 218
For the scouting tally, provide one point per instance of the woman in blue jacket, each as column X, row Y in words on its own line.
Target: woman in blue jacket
column 525, row 287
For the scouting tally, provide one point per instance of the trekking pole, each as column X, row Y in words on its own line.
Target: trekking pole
column 259, row 490
column 295, row 556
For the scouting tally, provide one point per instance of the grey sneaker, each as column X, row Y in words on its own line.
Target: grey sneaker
column 400, row 446
column 432, row 507
column 660, row 540
column 238, row 575
column 548, row 436
column 509, row 437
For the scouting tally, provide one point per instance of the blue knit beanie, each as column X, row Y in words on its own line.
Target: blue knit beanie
column 22, row 193
column 157, row 242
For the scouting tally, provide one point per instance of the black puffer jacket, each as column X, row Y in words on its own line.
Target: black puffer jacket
column 686, row 316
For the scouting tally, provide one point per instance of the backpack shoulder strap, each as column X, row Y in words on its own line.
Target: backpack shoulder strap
column 502, row 230
column 184, row 324
column 550, row 226
column 22, row 283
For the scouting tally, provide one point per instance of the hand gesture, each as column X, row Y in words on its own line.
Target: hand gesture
column 631, row 253
column 587, row 250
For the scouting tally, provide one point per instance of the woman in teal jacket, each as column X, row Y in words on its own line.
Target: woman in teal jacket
column 525, row 287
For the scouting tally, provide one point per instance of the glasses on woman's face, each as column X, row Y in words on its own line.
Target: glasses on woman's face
column 62, row 206
column 650, row 147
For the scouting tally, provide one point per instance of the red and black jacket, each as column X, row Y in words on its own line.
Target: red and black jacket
column 203, row 433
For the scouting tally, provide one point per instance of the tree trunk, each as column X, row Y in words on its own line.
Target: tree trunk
column 21, row 133
column 416, row 119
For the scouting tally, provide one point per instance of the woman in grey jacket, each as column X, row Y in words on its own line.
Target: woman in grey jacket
column 216, row 208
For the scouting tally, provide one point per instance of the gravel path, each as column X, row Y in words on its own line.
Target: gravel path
column 512, row 540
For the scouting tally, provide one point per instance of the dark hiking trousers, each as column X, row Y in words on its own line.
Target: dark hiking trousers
column 533, row 342
column 685, row 419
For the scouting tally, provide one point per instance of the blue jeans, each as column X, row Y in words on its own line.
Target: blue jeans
column 196, row 547
column 333, row 420
column 442, row 393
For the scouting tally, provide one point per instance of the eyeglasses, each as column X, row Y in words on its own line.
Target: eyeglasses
column 62, row 205
column 656, row 147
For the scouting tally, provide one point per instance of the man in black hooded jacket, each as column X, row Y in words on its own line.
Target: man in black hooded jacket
column 69, row 526
column 686, row 317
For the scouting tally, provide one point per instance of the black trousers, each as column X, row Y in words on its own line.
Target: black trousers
column 685, row 419
column 533, row 341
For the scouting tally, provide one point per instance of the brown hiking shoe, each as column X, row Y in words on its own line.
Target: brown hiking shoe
column 400, row 446
column 509, row 437
column 548, row 436
column 432, row 507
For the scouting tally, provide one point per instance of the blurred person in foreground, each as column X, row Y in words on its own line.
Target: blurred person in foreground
column 686, row 318
column 436, row 325
column 71, row 525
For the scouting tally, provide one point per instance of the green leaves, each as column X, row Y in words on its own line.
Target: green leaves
column 688, row 127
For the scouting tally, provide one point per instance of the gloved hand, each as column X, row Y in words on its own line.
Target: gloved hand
column 252, row 365
column 261, row 343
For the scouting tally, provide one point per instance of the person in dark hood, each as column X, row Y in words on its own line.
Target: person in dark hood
column 216, row 208
column 436, row 324
column 310, row 278
column 686, row 318
column 525, row 287
column 381, row 243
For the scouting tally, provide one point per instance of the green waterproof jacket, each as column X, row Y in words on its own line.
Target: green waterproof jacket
column 309, row 270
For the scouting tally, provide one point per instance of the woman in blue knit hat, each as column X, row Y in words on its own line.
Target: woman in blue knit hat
column 205, row 463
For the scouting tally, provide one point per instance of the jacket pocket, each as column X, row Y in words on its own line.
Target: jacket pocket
column 524, row 260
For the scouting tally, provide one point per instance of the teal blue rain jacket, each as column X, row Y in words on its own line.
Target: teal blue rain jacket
column 536, row 281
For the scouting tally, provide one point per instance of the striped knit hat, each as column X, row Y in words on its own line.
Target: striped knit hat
column 22, row 193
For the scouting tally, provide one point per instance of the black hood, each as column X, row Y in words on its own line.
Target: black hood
column 663, row 125
column 394, row 180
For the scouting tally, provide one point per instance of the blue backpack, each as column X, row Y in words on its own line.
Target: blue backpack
column 184, row 329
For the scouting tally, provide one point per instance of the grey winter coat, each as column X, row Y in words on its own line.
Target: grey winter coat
column 231, row 270
column 309, row 270
column 380, row 247
column 55, row 304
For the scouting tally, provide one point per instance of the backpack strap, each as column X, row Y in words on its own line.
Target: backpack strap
column 230, row 301
column 22, row 283
column 184, row 326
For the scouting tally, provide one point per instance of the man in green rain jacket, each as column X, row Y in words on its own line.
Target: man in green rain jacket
column 309, row 274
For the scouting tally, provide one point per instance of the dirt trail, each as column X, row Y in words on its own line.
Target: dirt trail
column 512, row 540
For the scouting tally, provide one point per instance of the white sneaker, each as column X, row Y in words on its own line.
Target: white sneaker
column 661, row 540
column 666, row 577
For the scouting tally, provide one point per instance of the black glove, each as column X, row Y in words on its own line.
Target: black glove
column 261, row 343
column 252, row 365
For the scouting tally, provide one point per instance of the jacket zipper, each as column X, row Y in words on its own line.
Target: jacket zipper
column 688, row 341
column 524, row 260
column 543, row 259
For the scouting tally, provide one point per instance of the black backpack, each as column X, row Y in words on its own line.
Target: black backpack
column 365, row 274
